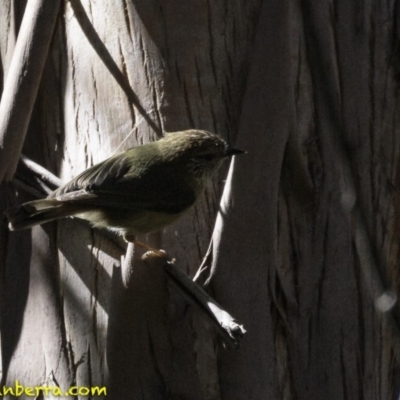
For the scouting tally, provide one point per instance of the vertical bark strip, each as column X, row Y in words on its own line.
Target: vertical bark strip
column 23, row 81
column 245, row 244
column 277, row 78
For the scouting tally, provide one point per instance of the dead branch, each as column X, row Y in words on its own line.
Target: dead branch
column 43, row 174
column 225, row 324
column 231, row 331
column 23, row 79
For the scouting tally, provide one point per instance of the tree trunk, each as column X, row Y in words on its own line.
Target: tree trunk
column 309, row 89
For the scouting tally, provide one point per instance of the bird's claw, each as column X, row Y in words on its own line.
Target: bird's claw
column 155, row 253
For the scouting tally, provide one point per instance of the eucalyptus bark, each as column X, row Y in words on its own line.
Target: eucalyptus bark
column 22, row 83
column 280, row 79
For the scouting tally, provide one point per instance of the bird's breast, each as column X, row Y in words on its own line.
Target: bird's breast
column 131, row 222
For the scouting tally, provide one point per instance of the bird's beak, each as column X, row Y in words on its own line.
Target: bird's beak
column 234, row 152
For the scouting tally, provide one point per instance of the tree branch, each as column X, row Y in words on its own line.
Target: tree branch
column 52, row 181
column 23, row 79
column 225, row 324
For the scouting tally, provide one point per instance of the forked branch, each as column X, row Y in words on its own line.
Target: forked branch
column 37, row 180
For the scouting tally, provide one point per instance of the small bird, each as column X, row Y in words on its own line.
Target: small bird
column 138, row 191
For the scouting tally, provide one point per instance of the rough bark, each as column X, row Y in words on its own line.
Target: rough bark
column 284, row 80
column 179, row 87
column 23, row 80
column 245, row 244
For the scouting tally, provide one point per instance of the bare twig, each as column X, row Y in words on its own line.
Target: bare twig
column 31, row 176
column 225, row 324
column 27, row 187
column 52, row 181
column 22, row 83
column 31, row 181
column 204, row 264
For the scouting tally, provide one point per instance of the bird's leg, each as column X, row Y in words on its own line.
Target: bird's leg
column 157, row 252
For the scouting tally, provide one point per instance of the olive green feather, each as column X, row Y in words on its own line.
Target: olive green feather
column 140, row 190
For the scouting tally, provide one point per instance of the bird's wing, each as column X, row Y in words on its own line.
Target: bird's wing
column 101, row 175
column 115, row 183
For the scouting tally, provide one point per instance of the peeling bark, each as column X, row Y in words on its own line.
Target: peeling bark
column 22, row 83
column 279, row 79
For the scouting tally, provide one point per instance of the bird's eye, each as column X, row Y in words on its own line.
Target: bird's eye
column 207, row 157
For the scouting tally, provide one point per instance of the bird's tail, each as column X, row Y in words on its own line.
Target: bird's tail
column 36, row 212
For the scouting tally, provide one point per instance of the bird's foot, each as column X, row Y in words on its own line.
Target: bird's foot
column 151, row 251
column 159, row 254
column 155, row 253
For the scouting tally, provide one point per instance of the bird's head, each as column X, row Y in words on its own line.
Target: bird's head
column 199, row 151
